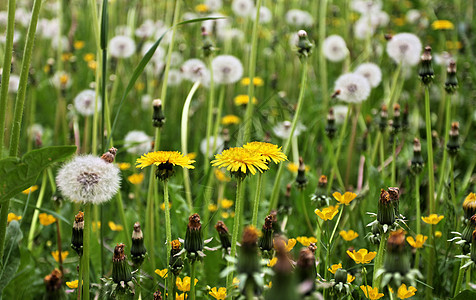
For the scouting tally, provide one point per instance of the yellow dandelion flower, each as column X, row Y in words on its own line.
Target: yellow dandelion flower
column 139, row 86
column 399, row 21
column 432, row 219
column 66, row 56
column 272, row 262
column 371, row 293
column 230, row 120
column 12, row 216
column 55, row 255
column 236, row 281
column 268, row 151
column 327, row 213
column 184, row 285
column 30, row 190
column 363, row 256
column 92, row 65
column 442, row 25
column 212, row 207
column 162, row 273
column 219, row 294
column 221, row 176
column 257, row 81
column 306, row 241
column 72, row 284
column 124, row 166
column 88, row 57
column 159, row 158
column 348, row 235
column 240, row 160
column 344, row 199
column 46, row 219
column 270, row 284
column 78, row 45
column 438, row 234
column 404, row 293
column 292, row 167
column 225, row 215
column 225, row 203
column 201, row 8
column 243, row 100
column 136, row 178
column 350, row 278
column 334, row 268
column 418, row 241
column 115, row 227
column 450, row 45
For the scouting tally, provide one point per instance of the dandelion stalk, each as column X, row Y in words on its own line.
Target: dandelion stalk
column 34, row 219
column 192, row 279
column 431, row 263
column 459, row 281
column 322, row 59
column 394, row 163
column 335, row 165
column 445, row 151
column 418, row 215
column 236, row 229
column 86, row 246
column 254, row 219
column 429, row 145
column 19, row 104
column 379, row 260
column 168, row 229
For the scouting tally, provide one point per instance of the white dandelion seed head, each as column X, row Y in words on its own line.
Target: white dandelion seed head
column 122, row 46
column 137, row 142
column 405, row 48
column 243, row 8
column 299, row 18
column 85, row 101
column 88, row 179
column 35, row 130
column 364, row 27
column 283, row 129
column 227, row 69
column 214, row 5
column 61, row 80
column 216, row 26
column 176, row 59
column 265, row 15
column 444, row 58
column 371, row 72
column 383, row 18
column 218, row 147
column 413, row 16
column 335, row 48
column 22, row 16
column 56, row 40
column 146, row 29
column 48, row 28
column 14, row 83
column 340, row 113
column 366, row 7
column 195, row 70
column 353, row 88
column 175, row 77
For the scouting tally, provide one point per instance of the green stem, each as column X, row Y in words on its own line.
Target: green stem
column 304, row 209
column 192, row 279
column 149, row 216
column 429, row 145
column 171, row 285
column 86, row 246
column 168, row 229
column 322, row 59
column 431, row 263
column 335, row 165
column 375, row 148
column 394, row 163
column 445, row 151
column 80, row 279
column 418, row 215
column 122, row 215
column 221, row 99
column 254, row 219
column 459, row 282
column 236, row 229
column 379, row 260
column 34, row 220
column 277, row 181
column 452, row 187
column 393, row 88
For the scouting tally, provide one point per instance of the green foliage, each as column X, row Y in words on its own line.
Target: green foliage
column 11, row 258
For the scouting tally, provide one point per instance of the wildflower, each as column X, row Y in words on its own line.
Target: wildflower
column 137, row 142
column 212, row 207
column 269, row 151
column 442, row 25
column 453, row 141
column 115, row 227
column 123, row 166
column 451, row 83
column 30, row 190
column 89, row 178
column 225, row 203
column 328, row 213
column 224, row 235
column 165, row 161
column 394, row 194
column 334, row 268
column 158, row 118
column 266, row 240
column 306, row 241
column 88, row 57
column 335, row 48
column 214, row 5
column 121, row 273
column 418, row 241
column 78, row 45
column 230, row 120
column 283, row 130
column 404, row 293
column 405, row 48
column 432, row 219
column 13, row 217
column 201, row 8
column 182, row 296
column 227, row 69
column 385, row 212
column 55, row 255
column 371, row 293
column 469, row 205
column 348, row 235
column 284, row 283
column 243, row 8
column 72, row 284
column 136, row 178
column 417, row 160
column 243, row 100
column 438, row 234
column 184, row 285
column 299, row 18
column 257, row 81
column 195, row 70
column 162, row 273
column 344, row 199
column 85, row 102
column 138, row 250
column 62, row 80
column 219, row 294
column 240, row 161
column 96, row 225
column 290, row 244
column 371, row 72
column 331, row 128
column 248, row 265
column 350, row 278
column 77, row 234
column 175, row 263
column 121, row 46
column 426, row 72
column 46, row 219
column 194, row 238
column 272, row 262
column 304, row 46
column 352, row 87
column 363, row 256
column 53, row 283
column 301, row 179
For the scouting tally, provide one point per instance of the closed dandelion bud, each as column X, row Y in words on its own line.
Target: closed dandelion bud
column 417, row 160
column 158, row 118
column 50, row 66
column 274, row 81
column 306, row 268
column 426, row 70
column 138, row 250
column 301, row 179
column 193, row 237
column 207, row 45
column 385, row 212
column 110, row 155
column 223, row 234
column 158, row 295
column 331, row 128
column 397, row 259
column 320, row 196
column 175, row 263
column 284, row 286
column 469, row 206
column 121, row 274
column 453, row 141
column 53, row 283
column 274, row 217
column 266, row 239
column 383, row 118
column 394, row 194
column 341, row 276
column 304, row 45
column 286, row 204
column 248, row 266
column 396, row 124
column 473, row 247
column 469, row 227
column 405, row 118
column 77, row 235
column 451, row 83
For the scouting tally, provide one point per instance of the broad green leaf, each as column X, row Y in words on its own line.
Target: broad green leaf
column 464, row 295
column 11, row 258
column 17, row 174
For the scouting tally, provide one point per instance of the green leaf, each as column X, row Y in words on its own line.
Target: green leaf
column 464, row 295
column 11, row 258
column 17, row 174
column 45, row 210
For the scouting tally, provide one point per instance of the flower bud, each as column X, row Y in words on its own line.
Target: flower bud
column 110, row 155
column 226, row 138
column 394, row 193
column 207, row 45
column 397, row 259
column 426, row 70
column 158, row 118
column 385, row 212
column 266, row 239
column 138, row 250
column 331, row 128
column 340, row 276
column 224, row 235
column 306, row 269
column 301, row 179
column 53, row 283
column 304, row 45
column 175, row 263
column 473, row 247
column 77, row 235
column 193, row 236
column 451, row 83
column 453, row 141
column 284, row 286
column 396, row 124
column 469, row 206
column 468, row 229
column 158, row 295
column 121, row 273
column 383, row 118
column 417, row 160
column 248, row 265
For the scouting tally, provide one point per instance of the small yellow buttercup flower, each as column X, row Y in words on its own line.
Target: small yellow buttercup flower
column 88, row 57
column 184, row 285
column 201, row 8
column 230, row 120
column 272, row 262
column 432, row 219
column 257, row 81
column 438, row 234
column 182, row 296
column 371, row 293
column 221, row 176
column 442, row 25
column 418, row 241
column 350, row 278
column 124, row 166
column 327, row 213
column 243, row 100
column 225, row 203
column 72, row 284
column 290, row 244
column 344, row 199
column 115, row 227
column 46, row 219
column 55, row 255
column 363, row 256
column 162, row 273
column 136, row 178
column 404, row 293
column 348, row 235
column 30, row 190
column 334, row 268
column 306, row 241
column 12, row 216
column 219, row 294
column 212, row 207
column 78, row 45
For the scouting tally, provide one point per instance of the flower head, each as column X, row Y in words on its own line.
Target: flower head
column 219, row 294
column 404, row 293
column 227, row 69
column 344, row 199
column 363, row 256
column 432, row 219
column 306, row 241
column 30, row 190
column 257, row 81
column 243, row 100
column 46, row 219
column 137, row 142
column 55, row 255
column 240, row 161
column 418, row 241
column 299, row 18
column 371, row 293
column 115, row 227
column 327, row 213
column 195, row 70
column 136, row 178
column 184, row 285
column 230, row 120
column 268, row 151
column 371, row 72
column 85, row 102
column 348, row 235
column 405, row 48
column 72, row 284
column 121, row 46
column 162, row 273
column 165, row 161
column 13, row 217
column 352, row 87
column 334, row 268
column 334, row 48
column 442, row 25
column 243, row 8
